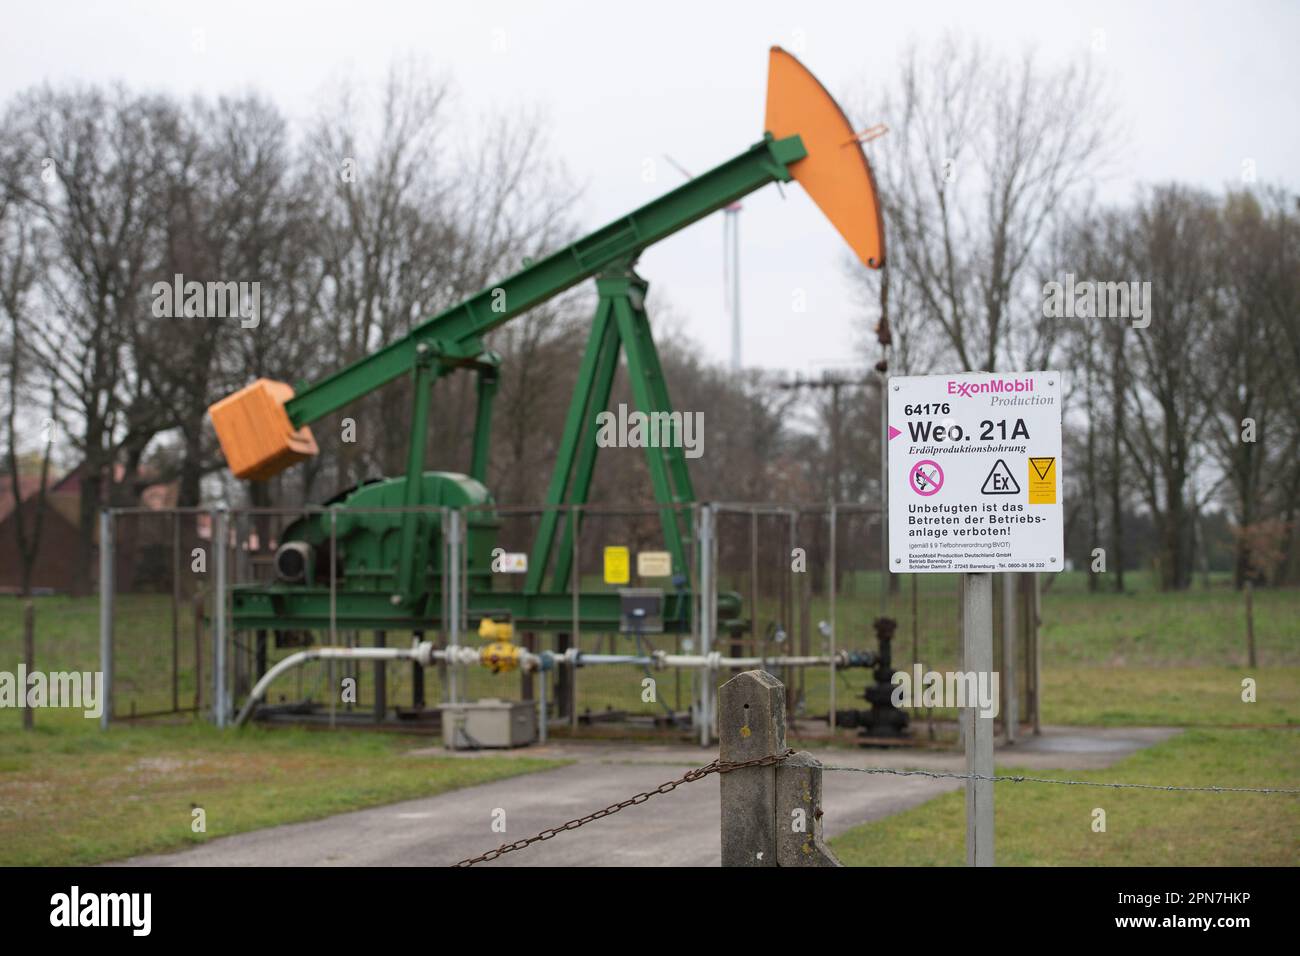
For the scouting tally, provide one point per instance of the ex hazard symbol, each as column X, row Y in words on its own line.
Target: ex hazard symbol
column 1000, row 481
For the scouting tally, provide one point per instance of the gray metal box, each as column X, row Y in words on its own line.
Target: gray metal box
column 489, row 723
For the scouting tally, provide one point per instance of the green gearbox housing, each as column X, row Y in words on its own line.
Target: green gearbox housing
column 367, row 525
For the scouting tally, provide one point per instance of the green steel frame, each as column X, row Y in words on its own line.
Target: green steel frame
column 456, row 335
column 271, row 606
column 454, row 340
column 620, row 322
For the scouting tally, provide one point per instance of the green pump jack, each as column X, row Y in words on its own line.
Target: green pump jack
column 373, row 557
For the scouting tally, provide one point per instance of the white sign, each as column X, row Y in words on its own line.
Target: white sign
column 975, row 472
column 509, row 562
column 654, row 564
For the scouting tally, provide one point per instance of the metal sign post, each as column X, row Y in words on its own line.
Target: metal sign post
column 1010, row 687
column 977, row 647
column 975, row 473
column 975, row 488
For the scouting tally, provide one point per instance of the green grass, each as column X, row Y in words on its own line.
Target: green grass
column 1094, row 644
column 1150, row 628
column 1047, row 825
column 72, row 795
column 1140, row 658
column 1170, row 696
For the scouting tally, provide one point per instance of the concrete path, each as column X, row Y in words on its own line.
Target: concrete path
column 675, row 829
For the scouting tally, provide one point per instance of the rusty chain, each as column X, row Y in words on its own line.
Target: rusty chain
column 716, row 766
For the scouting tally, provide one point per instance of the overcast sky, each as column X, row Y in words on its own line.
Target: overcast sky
column 1201, row 87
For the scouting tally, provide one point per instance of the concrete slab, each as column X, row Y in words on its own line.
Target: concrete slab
column 676, row 829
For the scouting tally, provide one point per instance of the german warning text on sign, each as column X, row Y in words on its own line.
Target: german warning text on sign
column 618, row 564
column 975, row 472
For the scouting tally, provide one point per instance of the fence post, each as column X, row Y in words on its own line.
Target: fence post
column 198, row 649
column 29, row 654
column 771, row 816
column 708, row 618
column 106, row 588
column 381, row 680
column 1010, row 688
column 452, row 624
column 176, row 611
column 834, row 571
column 238, row 647
column 219, row 543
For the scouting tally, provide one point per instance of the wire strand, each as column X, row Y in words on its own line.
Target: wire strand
column 1014, row 778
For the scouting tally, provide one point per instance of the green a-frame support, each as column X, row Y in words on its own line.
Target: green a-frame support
column 620, row 324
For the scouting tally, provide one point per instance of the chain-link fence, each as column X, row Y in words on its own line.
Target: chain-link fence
column 166, row 567
column 790, row 580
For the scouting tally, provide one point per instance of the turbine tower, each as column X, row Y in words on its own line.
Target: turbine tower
column 731, row 277
column 730, row 266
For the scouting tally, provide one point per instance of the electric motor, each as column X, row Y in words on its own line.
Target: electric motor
column 292, row 559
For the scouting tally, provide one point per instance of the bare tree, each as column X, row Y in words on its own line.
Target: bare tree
column 102, row 209
column 407, row 227
column 1168, row 239
column 22, row 265
column 1250, row 390
column 981, row 154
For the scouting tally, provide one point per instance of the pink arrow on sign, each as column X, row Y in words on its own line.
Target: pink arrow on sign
column 893, row 433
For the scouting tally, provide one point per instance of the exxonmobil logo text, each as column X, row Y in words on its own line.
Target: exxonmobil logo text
column 994, row 386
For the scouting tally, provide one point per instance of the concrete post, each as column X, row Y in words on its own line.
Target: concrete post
column 771, row 816
column 799, row 814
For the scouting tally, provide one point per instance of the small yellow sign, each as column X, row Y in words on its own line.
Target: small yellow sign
column 618, row 564
column 1042, row 481
column 654, row 564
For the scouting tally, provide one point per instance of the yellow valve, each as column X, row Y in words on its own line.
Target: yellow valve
column 491, row 630
column 500, row 657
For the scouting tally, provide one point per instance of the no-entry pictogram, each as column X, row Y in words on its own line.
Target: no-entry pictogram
column 926, row 477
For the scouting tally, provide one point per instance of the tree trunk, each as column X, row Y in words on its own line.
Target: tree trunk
column 88, row 517
column 190, row 487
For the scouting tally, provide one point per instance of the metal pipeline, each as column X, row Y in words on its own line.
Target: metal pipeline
column 421, row 652
column 424, row 653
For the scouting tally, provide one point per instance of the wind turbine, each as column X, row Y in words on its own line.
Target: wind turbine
column 730, row 266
